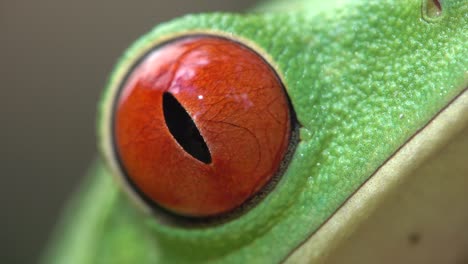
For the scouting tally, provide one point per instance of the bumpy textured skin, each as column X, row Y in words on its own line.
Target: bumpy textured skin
column 363, row 76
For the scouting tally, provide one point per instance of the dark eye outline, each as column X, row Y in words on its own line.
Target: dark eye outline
column 107, row 138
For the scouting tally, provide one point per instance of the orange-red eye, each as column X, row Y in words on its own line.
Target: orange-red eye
column 201, row 124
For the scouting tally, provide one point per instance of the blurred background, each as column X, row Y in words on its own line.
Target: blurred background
column 55, row 57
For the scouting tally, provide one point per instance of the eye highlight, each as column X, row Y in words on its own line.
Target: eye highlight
column 200, row 125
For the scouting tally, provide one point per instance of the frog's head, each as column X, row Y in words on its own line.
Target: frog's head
column 424, row 41
column 351, row 72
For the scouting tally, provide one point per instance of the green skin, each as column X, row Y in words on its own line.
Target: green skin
column 362, row 76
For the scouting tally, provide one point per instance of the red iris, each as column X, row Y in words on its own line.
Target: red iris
column 201, row 125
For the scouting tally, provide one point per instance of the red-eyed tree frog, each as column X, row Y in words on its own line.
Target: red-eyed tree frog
column 299, row 132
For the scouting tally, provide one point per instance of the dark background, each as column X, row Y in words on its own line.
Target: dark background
column 55, row 56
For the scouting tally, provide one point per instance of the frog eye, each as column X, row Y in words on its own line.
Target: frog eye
column 201, row 124
column 432, row 9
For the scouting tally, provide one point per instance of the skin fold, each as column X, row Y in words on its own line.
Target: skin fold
column 362, row 77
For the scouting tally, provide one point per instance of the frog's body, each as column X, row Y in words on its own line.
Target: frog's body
column 362, row 76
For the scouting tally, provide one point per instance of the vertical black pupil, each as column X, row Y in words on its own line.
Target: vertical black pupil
column 184, row 130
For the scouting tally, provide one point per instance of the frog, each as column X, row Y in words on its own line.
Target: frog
column 375, row 89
